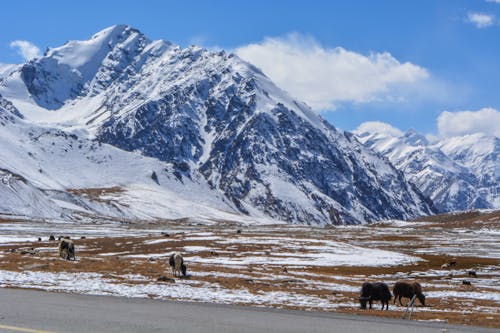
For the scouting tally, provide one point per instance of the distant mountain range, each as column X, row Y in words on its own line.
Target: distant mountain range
column 120, row 126
column 458, row 173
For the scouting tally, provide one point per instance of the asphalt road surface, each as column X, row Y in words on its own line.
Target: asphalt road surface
column 44, row 312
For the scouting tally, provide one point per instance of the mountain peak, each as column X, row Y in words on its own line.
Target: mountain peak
column 115, row 30
column 413, row 138
column 211, row 118
column 456, row 173
column 87, row 55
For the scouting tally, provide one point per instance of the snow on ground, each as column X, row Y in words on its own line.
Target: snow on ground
column 492, row 296
column 264, row 265
column 330, row 256
column 97, row 284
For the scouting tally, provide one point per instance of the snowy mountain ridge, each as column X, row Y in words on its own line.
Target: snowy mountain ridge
column 457, row 173
column 191, row 121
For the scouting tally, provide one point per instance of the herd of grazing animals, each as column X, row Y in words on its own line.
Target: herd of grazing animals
column 370, row 291
column 379, row 291
column 66, row 250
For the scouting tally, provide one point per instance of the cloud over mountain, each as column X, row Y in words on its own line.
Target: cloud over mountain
column 25, row 49
column 324, row 77
column 484, row 121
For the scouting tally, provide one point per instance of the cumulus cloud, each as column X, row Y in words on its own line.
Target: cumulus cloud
column 25, row 49
column 485, row 121
column 324, row 77
column 378, row 127
column 481, row 20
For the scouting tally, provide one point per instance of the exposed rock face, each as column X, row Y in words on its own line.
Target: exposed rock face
column 457, row 174
column 215, row 119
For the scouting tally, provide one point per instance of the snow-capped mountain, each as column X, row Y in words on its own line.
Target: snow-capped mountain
column 122, row 111
column 457, row 173
column 479, row 154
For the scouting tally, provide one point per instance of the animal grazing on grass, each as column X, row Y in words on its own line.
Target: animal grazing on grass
column 177, row 263
column 67, row 249
column 449, row 264
column 408, row 289
column 472, row 274
column 466, row 283
column 375, row 291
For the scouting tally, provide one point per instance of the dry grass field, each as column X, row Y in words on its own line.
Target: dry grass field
column 284, row 266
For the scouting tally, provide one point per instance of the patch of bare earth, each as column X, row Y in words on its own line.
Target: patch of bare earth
column 254, row 260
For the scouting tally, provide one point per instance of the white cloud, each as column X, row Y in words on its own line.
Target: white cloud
column 324, row 77
column 495, row 1
column 378, row 127
column 481, row 20
column 485, row 121
column 25, row 49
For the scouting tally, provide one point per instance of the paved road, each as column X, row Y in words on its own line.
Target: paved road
column 42, row 312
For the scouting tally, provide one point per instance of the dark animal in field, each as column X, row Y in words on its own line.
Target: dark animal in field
column 375, row 291
column 67, row 249
column 52, row 238
column 472, row 274
column 177, row 263
column 449, row 264
column 408, row 289
column 466, row 283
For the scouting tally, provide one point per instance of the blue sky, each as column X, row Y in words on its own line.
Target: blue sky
column 404, row 62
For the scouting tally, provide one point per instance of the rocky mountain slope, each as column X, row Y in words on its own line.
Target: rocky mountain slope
column 458, row 173
column 204, row 125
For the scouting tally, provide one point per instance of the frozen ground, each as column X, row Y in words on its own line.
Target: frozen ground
column 267, row 265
